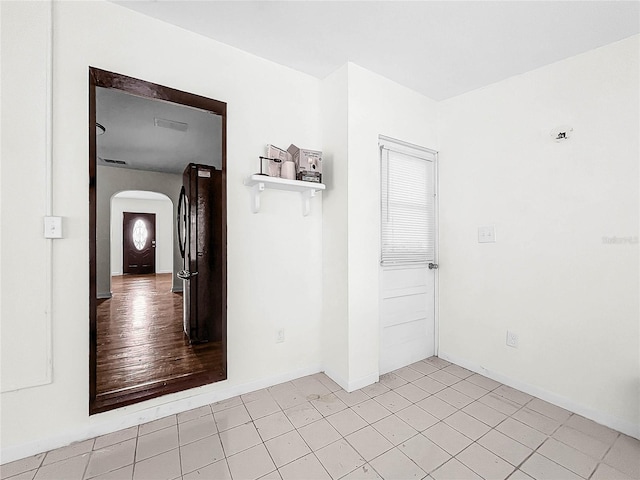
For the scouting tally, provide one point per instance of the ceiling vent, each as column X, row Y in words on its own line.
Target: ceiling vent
column 170, row 124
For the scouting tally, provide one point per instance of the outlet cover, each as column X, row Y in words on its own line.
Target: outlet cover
column 280, row 336
column 487, row 234
column 512, row 339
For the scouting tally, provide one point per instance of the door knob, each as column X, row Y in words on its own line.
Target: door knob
column 186, row 274
column 433, row 266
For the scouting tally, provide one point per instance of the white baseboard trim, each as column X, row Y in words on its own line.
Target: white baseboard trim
column 352, row 385
column 400, row 361
column 363, row 382
column 597, row 416
column 337, row 378
column 102, row 424
column 102, row 295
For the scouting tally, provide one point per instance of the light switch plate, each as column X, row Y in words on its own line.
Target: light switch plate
column 487, row 234
column 52, row 227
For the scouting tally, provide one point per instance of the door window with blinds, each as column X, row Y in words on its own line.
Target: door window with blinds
column 407, row 203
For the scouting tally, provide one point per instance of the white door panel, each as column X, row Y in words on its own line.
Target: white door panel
column 403, row 278
column 410, row 331
column 396, row 319
column 403, row 309
column 409, row 234
column 406, row 316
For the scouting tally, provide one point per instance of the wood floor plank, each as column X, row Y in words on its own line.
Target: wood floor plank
column 140, row 338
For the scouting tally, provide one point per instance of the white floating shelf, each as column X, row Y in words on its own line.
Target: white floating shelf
column 259, row 183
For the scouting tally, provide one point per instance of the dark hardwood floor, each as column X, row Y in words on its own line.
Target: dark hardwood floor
column 140, row 338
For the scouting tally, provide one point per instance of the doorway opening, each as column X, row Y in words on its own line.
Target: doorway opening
column 142, row 233
column 142, row 138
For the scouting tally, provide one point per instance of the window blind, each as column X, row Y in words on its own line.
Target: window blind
column 407, row 204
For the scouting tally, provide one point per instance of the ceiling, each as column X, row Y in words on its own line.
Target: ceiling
column 132, row 136
column 438, row 48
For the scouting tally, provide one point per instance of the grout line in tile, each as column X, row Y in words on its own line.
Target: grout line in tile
column 601, row 460
column 411, row 403
column 135, row 448
column 535, row 450
column 86, row 466
column 180, row 449
column 269, row 453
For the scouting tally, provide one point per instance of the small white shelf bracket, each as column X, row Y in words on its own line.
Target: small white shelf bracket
column 259, row 183
column 306, row 201
column 256, row 190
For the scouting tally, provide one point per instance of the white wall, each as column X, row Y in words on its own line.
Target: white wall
column 274, row 271
column 24, row 198
column 551, row 277
column 335, row 207
column 165, row 235
column 375, row 105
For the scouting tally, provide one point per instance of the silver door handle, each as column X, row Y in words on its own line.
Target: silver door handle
column 433, row 266
column 185, row 274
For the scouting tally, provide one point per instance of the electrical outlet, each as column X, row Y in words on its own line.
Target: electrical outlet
column 487, row 234
column 512, row 339
column 280, row 336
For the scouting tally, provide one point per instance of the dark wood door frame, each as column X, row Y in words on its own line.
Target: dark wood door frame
column 103, row 78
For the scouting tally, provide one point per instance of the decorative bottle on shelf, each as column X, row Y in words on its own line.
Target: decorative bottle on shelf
column 288, row 170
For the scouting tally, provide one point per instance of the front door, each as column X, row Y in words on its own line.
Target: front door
column 138, row 243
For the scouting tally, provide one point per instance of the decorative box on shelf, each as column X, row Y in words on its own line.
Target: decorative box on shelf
column 259, row 183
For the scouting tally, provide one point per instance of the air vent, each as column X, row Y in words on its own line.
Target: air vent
column 114, row 162
column 170, row 124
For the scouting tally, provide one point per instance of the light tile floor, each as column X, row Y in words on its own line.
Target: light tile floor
column 431, row 420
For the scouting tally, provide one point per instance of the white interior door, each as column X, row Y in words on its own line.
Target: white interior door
column 407, row 283
column 407, row 316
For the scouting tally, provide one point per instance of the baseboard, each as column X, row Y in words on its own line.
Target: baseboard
column 400, row 361
column 363, row 382
column 104, row 295
column 337, row 378
column 102, row 424
column 353, row 385
column 597, row 416
column 177, row 289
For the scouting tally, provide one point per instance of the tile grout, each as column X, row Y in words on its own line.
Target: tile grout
column 324, row 415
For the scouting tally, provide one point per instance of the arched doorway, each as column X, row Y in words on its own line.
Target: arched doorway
column 158, row 207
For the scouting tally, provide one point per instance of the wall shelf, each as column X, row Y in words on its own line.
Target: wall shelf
column 259, row 183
